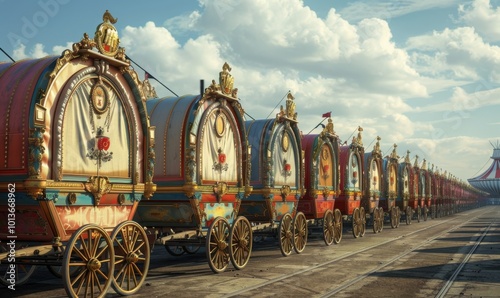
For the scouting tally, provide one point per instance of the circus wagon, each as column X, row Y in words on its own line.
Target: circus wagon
column 372, row 181
column 405, row 190
column 202, row 174
column 321, row 182
column 351, row 185
column 415, row 198
column 277, row 179
column 76, row 163
column 389, row 191
column 425, row 185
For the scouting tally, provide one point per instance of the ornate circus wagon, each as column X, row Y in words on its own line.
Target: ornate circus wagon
column 277, row 179
column 351, row 185
column 322, row 177
column 74, row 167
column 425, row 185
column 372, row 181
column 201, row 174
column 389, row 192
column 415, row 201
column 405, row 188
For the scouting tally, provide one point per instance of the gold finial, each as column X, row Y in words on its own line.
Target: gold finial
column 360, row 138
column 424, row 165
column 394, row 154
column 107, row 17
column 329, row 127
column 226, row 80
column 376, row 148
column 415, row 165
column 407, row 158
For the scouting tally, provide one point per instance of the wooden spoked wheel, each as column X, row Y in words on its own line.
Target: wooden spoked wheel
column 328, row 227
column 381, row 219
column 240, row 247
column 217, row 245
column 338, row 226
column 299, row 232
column 286, row 235
column 399, row 216
column 362, row 216
column 90, row 252
column 132, row 256
column 22, row 271
column 175, row 250
column 376, row 221
column 356, row 223
column 394, row 218
column 419, row 213
column 426, row 211
column 408, row 215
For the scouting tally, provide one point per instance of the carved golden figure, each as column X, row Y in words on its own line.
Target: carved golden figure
column 226, row 80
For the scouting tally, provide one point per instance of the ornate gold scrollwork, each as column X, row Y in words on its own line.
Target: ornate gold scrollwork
column 220, row 189
column 285, row 191
column 98, row 186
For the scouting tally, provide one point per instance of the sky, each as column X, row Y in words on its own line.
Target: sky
column 422, row 74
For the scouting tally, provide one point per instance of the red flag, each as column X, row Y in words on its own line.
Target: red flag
column 326, row 115
column 148, row 76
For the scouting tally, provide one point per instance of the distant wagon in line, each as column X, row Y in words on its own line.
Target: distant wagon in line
column 202, row 174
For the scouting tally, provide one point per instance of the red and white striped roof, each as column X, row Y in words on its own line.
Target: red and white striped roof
column 489, row 181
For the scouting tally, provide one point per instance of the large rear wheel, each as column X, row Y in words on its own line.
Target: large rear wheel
column 132, row 257
column 89, row 252
column 299, row 232
column 217, row 245
column 356, row 223
column 338, row 226
column 286, row 235
column 328, row 227
column 362, row 216
column 240, row 247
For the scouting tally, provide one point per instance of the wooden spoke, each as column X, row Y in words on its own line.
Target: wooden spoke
column 328, row 227
column 286, row 235
column 338, row 226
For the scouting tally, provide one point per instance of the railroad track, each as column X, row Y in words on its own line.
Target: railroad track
column 297, row 277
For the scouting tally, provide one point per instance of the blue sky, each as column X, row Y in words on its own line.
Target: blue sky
column 422, row 74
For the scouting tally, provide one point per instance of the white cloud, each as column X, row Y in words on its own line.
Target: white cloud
column 358, row 10
column 482, row 16
column 36, row 52
column 455, row 53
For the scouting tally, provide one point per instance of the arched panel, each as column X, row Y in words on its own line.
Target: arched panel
column 392, row 178
column 327, row 167
column 283, row 152
column 220, row 157
column 374, row 177
column 96, row 137
column 354, row 171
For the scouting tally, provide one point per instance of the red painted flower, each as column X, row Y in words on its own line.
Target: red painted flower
column 288, row 167
column 103, row 143
column 326, row 168
column 222, row 158
column 354, row 174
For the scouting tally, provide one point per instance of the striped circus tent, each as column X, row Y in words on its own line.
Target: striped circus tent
column 489, row 181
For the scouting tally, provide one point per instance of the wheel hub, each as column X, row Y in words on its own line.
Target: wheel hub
column 94, row 264
column 132, row 258
column 242, row 243
column 221, row 245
